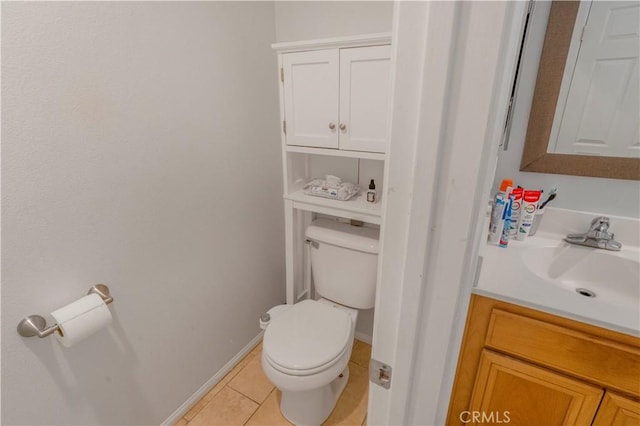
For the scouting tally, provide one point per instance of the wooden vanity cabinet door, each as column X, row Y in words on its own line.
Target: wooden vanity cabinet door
column 617, row 410
column 519, row 393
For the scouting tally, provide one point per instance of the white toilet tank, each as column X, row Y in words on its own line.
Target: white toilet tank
column 344, row 262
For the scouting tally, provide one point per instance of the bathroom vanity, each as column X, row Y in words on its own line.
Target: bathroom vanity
column 536, row 348
column 536, row 368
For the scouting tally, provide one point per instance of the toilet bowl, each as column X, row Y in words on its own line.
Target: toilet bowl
column 306, row 346
column 305, row 354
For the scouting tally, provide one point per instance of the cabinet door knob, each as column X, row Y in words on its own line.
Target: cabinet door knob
column 332, row 126
column 343, row 127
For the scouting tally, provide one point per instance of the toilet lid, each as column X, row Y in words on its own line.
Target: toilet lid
column 307, row 336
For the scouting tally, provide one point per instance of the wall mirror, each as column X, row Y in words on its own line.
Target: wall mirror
column 584, row 116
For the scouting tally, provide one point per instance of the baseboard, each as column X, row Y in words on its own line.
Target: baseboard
column 182, row 410
column 363, row 337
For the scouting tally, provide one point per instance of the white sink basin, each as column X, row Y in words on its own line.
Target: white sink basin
column 544, row 272
column 607, row 275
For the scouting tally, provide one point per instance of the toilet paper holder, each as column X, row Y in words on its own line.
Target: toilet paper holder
column 36, row 325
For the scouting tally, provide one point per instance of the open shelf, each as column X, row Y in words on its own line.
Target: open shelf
column 356, row 208
column 337, row 152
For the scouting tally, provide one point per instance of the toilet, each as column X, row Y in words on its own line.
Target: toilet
column 307, row 346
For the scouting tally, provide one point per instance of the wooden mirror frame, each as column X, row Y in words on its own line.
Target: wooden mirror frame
column 535, row 157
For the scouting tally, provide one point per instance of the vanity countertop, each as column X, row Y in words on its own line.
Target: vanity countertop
column 543, row 273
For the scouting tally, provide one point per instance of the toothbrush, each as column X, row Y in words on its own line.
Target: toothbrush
column 552, row 197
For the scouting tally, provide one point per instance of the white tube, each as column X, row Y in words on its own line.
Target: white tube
column 527, row 213
column 495, row 227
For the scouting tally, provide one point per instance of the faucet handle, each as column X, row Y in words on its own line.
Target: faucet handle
column 599, row 229
column 600, row 224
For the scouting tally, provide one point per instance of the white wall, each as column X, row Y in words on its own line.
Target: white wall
column 597, row 195
column 140, row 149
column 307, row 20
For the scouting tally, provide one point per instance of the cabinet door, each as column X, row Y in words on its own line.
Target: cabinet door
column 311, row 98
column 617, row 410
column 365, row 86
column 515, row 392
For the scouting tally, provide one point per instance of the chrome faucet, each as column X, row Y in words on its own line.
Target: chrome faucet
column 597, row 236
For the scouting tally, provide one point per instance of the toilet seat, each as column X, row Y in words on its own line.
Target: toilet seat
column 307, row 338
column 306, row 372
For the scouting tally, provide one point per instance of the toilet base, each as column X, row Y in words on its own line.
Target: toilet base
column 312, row 407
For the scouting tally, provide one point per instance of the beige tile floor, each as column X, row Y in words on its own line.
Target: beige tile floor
column 246, row 397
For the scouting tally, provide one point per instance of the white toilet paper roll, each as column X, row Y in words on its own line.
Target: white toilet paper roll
column 80, row 319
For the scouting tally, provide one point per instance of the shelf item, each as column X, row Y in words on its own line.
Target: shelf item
column 331, row 187
column 357, row 208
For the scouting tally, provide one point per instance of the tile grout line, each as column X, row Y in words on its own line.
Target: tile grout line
column 230, row 377
column 258, row 404
column 254, row 413
column 228, row 384
column 246, row 360
column 247, row 396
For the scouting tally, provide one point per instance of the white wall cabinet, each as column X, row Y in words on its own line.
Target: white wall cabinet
column 365, row 78
column 334, row 105
column 310, row 91
column 337, row 98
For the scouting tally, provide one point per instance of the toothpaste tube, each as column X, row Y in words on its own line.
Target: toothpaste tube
column 497, row 212
column 515, row 211
column 504, row 239
column 495, row 228
column 528, row 211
